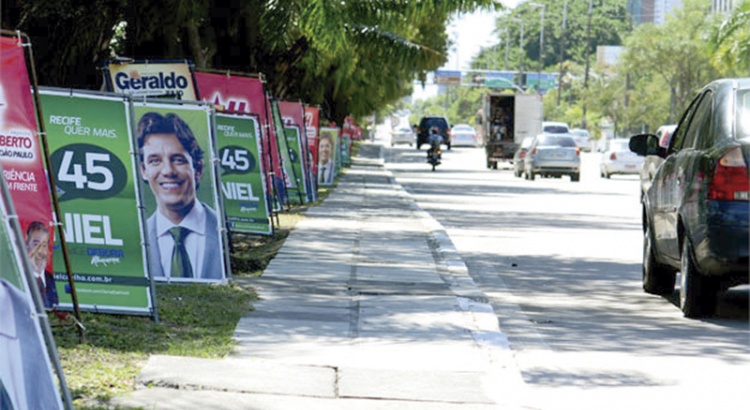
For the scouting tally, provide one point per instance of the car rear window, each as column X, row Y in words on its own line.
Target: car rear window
column 742, row 117
column 552, row 141
column 555, row 129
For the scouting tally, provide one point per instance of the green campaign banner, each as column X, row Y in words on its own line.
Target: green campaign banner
column 185, row 230
column 346, row 149
column 290, row 179
column 242, row 175
column 94, row 171
column 294, row 142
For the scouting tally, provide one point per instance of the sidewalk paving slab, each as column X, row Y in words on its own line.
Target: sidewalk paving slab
column 367, row 305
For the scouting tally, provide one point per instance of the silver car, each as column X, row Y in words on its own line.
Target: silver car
column 403, row 135
column 553, row 155
column 618, row 159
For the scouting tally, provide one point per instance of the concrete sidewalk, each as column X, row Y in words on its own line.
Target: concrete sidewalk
column 367, row 306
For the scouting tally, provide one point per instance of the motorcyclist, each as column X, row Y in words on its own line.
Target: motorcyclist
column 434, row 139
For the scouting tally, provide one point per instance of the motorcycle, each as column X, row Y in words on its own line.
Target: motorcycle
column 434, row 154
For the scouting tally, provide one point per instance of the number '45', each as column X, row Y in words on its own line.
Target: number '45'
column 77, row 173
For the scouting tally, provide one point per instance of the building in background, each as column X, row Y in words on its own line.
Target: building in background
column 656, row 11
column 724, row 6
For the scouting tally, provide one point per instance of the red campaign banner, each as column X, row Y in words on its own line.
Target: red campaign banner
column 21, row 156
column 243, row 95
column 312, row 125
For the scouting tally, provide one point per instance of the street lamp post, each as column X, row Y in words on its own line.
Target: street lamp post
column 562, row 52
column 586, row 73
column 541, row 43
column 520, row 52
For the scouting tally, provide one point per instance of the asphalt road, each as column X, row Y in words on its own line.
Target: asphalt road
column 561, row 264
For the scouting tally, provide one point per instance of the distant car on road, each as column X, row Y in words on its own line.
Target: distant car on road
column 520, row 155
column 618, row 159
column 555, row 127
column 696, row 211
column 464, row 135
column 403, row 135
column 552, row 155
column 582, row 137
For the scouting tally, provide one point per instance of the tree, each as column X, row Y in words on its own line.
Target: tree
column 731, row 40
column 672, row 54
column 349, row 57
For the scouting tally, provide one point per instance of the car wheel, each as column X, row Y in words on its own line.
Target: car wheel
column 575, row 177
column 448, row 146
column 531, row 175
column 657, row 279
column 516, row 173
column 698, row 293
column 410, row 144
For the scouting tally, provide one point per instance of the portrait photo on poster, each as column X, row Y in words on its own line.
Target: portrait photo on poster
column 326, row 159
column 182, row 231
column 38, row 250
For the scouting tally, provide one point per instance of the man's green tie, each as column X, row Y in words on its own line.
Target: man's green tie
column 180, row 261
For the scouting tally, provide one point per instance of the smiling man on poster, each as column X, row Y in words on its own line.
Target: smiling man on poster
column 182, row 231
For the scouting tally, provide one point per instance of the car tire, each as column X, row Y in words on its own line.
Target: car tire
column 516, row 173
column 531, row 176
column 698, row 294
column 575, row 177
column 657, row 278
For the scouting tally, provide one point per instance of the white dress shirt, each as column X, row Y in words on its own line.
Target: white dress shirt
column 195, row 242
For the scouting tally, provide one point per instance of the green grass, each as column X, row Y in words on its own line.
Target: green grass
column 196, row 320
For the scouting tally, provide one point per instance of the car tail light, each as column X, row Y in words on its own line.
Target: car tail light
column 522, row 154
column 578, row 151
column 730, row 181
column 613, row 157
column 533, row 151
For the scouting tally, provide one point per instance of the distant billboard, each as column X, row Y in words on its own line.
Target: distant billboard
column 448, row 77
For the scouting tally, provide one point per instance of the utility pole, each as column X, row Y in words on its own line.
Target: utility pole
column 520, row 53
column 588, row 57
column 541, row 45
column 562, row 52
column 507, row 44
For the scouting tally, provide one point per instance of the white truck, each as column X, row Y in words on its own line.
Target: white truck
column 504, row 120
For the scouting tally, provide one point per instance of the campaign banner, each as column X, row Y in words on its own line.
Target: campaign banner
column 245, row 95
column 89, row 139
column 312, row 126
column 290, row 178
column 23, row 162
column 242, row 181
column 294, row 141
column 27, row 380
column 293, row 115
column 346, row 150
column 328, row 148
column 170, row 79
column 185, row 231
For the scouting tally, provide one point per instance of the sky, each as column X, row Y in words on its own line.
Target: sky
column 472, row 31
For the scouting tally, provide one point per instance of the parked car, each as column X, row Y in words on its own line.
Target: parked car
column 555, row 127
column 464, row 135
column 695, row 213
column 519, row 156
column 552, row 155
column 403, row 135
column 618, row 159
column 652, row 162
column 428, row 122
column 582, row 137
